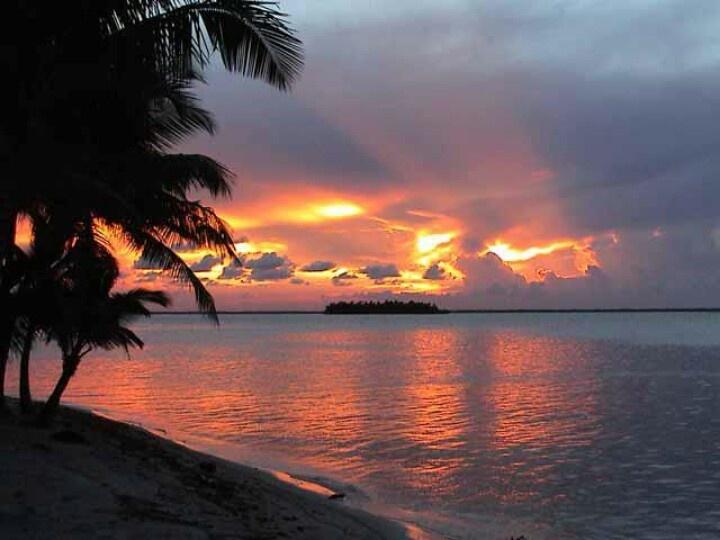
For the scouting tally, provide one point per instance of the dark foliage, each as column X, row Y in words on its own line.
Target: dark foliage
column 99, row 92
column 387, row 307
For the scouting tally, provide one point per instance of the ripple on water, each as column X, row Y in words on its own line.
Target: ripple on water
column 573, row 430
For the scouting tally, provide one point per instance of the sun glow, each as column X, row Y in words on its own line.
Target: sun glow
column 339, row 210
column 429, row 242
column 240, row 224
column 510, row 254
column 317, row 213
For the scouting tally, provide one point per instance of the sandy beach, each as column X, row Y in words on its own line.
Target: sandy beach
column 91, row 477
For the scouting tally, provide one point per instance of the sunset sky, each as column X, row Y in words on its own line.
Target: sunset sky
column 480, row 153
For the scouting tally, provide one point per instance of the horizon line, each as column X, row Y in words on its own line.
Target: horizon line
column 447, row 311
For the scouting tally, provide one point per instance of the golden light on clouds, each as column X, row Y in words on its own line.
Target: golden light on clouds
column 318, row 212
column 432, row 247
column 429, row 242
column 339, row 210
column 413, row 281
column 297, row 210
column 243, row 248
column 564, row 258
column 510, row 254
column 241, row 223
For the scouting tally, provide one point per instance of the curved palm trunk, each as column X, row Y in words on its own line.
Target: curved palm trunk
column 53, row 402
column 25, row 396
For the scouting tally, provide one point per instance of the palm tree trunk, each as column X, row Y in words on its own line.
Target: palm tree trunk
column 25, row 396
column 8, row 221
column 53, row 402
column 5, row 335
column 3, row 365
column 8, row 218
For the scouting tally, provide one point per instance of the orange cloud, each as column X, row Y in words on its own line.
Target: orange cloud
column 565, row 258
column 427, row 243
column 509, row 254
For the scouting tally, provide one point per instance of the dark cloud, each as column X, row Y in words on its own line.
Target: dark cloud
column 270, row 267
column 232, row 271
column 343, row 279
column 206, row 263
column 630, row 150
column 279, row 134
column 434, row 272
column 489, row 272
column 379, row 272
column 318, row 266
column 266, row 261
column 271, row 274
column 491, row 284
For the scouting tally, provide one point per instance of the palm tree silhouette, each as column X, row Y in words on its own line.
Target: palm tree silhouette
column 103, row 89
column 43, row 269
column 89, row 315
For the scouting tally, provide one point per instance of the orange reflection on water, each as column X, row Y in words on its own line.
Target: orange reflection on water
column 531, row 402
column 435, row 408
column 429, row 408
column 435, row 402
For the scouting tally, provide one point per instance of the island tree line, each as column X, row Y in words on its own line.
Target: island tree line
column 387, row 307
column 102, row 91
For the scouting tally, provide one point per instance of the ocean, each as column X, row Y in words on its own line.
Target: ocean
column 564, row 425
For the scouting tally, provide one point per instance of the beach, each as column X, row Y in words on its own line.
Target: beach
column 91, row 477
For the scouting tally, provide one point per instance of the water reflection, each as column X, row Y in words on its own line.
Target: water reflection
column 434, row 409
column 440, row 413
column 533, row 403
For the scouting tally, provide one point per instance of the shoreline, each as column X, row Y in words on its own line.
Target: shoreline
column 90, row 475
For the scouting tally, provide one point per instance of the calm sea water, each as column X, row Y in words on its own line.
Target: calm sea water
column 481, row 426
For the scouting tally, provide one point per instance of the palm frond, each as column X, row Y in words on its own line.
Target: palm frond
column 112, row 336
column 252, row 37
column 158, row 254
column 131, row 304
column 175, row 113
column 178, row 173
column 191, row 222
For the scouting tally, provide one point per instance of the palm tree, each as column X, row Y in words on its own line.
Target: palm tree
column 89, row 315
column 29, row 336
column 80, row 129
column 151, row 215
column 69, row 47
column 43, row 266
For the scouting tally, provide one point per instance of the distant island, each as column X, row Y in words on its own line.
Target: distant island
column 390, row 307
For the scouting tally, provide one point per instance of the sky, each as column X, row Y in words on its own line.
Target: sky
column 475, row 153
